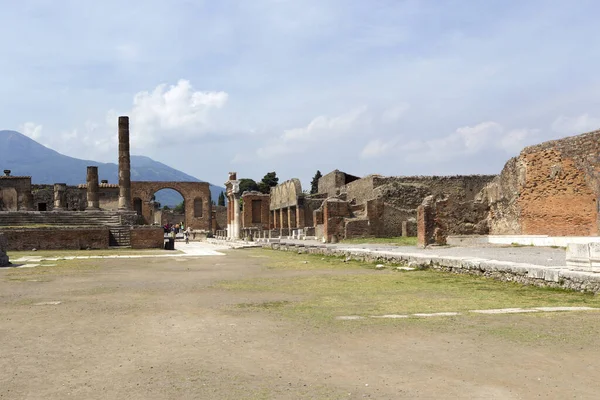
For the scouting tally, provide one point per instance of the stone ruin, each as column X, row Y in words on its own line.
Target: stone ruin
column 549, row 189
column 93, row 215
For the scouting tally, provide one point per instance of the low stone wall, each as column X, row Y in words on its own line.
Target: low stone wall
column 56, row 238
column 147, row 237
column 3, row 245
column 527, row 274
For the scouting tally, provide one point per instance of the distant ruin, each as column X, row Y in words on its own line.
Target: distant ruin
column 94, row 215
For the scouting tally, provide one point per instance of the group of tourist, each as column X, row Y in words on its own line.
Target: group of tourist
column 174, row 229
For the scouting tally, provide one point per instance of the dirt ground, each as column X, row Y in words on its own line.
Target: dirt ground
column 163, row 329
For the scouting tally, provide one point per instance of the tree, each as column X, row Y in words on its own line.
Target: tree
column 247, row 185
column 268, row 181
column 314, row 184
column 221, row 201
column 180, row 208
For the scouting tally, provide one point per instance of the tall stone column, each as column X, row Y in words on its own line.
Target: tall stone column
column 60, row 196
column 124, row 165
column 236, row 216
column 93, row 202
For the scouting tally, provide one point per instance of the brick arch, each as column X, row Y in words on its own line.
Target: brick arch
column 188, row 190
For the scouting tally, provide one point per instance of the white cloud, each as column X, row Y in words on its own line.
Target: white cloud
column 575, row 125
column 394, row 114
column 377, row 147
column 32, row 130
column 465, row 141
column 319, row 131
column 173, row 113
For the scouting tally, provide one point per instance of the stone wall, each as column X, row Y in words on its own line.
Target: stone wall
column 56, row 238
column 3, row 248
column 219, row 221
column 331, row 183
column 549, row 189
column 196, row 195
column 440, row 216
column 15, row 193
column 525, row 274
column 147, row 237
column 255, row 212
column 44, row 195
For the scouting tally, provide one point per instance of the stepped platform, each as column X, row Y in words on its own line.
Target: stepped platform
column 62, row 218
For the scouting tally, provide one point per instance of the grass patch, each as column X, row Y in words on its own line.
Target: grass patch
column 46, row 273
column 394, row 241
column 287, row 260
column 13, row 255
column 391, row 292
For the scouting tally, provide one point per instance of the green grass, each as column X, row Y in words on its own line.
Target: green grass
column 365, row 293
column 13, row 255
column 396, row 241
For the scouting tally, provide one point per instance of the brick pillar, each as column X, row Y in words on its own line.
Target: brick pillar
column 124, row 165
column 404, row 228
column 60, row 196
column 93, row 202
column 425, row 226
column 300, row 222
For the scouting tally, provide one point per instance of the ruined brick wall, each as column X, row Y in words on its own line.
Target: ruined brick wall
column 44, row 195
column 409, row 191
column 255, row 212
column 331, row 183
column 219, row 218
column 3, row 247
column 196, row 195
column 15, row 193
column 147, row 237
column 334, row 213
column 57, row 238
column 309, row 206
column 108, row 196
column 549, row 189
column 440, row 216
column 172, row 218
column 360, row 190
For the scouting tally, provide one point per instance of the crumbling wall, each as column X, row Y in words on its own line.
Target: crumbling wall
column 549, row 189
column 442, row 215
column 76, row 197
column 219, row 220
column 57, row 238
column 331, row 183
column 15, row 193
column 334, row 213
column 147, row 237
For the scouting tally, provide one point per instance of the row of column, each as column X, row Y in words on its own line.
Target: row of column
column 284, row 218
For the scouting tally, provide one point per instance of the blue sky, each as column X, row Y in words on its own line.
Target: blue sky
column 381, row 86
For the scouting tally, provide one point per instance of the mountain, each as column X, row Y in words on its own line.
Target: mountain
column 26, row 157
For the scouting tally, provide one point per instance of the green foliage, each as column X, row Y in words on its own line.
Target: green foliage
column 314, row 184
column 248, row 185
column 166, row 208
column 180, row 208
column 268, row 181
column 221, row 201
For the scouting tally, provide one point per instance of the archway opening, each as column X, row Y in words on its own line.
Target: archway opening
column 168, row 208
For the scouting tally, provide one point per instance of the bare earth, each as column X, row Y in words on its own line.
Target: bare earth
column 159, row 329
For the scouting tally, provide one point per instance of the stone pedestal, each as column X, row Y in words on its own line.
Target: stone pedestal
column 124, row 165
column 93, row 202
column 60, row 196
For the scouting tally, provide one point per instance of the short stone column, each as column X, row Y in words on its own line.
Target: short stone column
column 60, row 196
column 93, row 202
column 124, row 165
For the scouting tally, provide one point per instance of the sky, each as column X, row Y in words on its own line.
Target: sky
column 390, row 87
